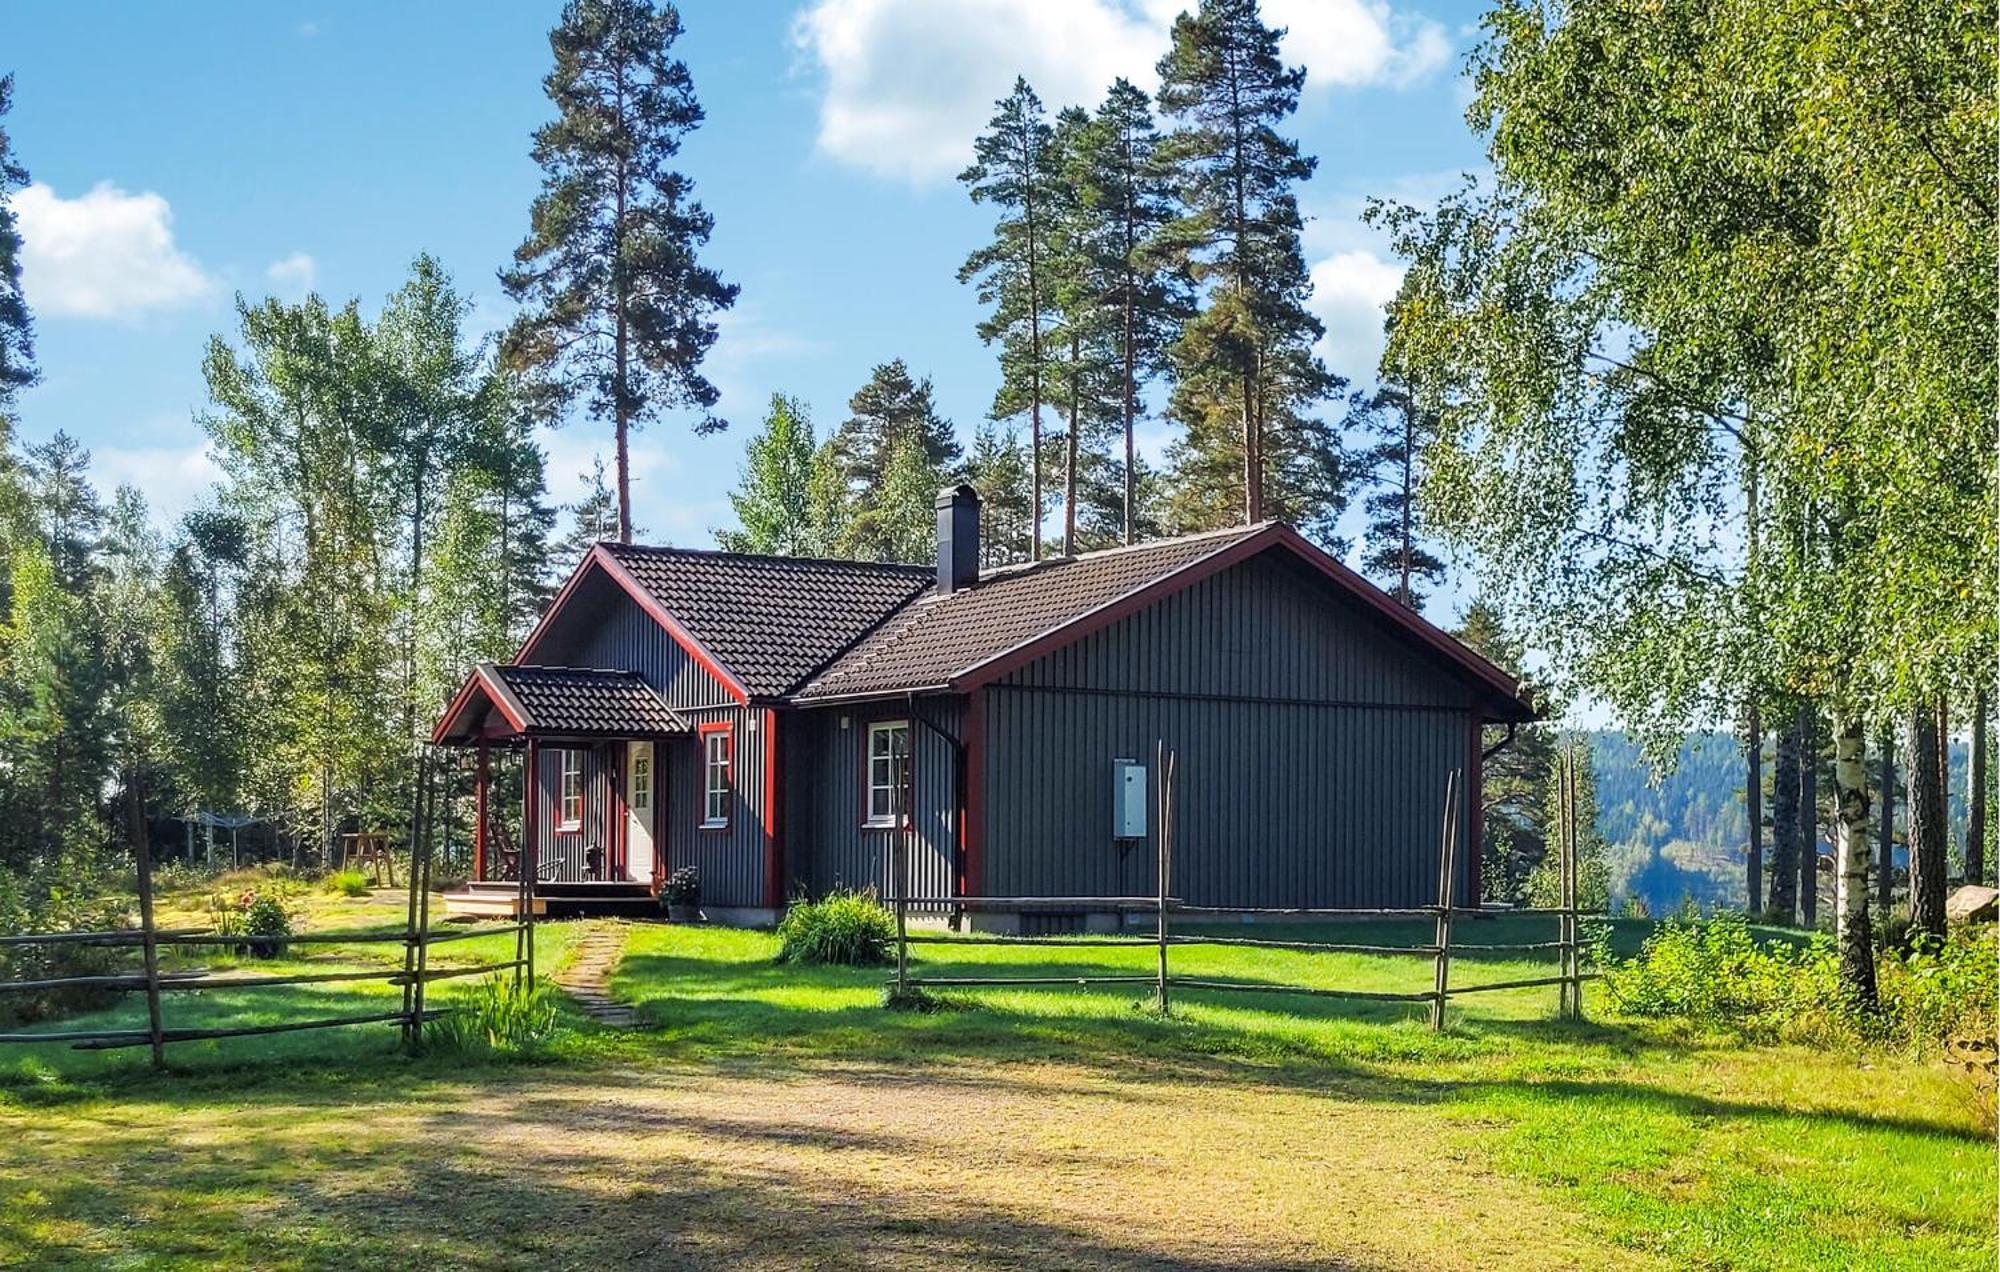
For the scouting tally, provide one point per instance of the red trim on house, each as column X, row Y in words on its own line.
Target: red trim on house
column 972, row 824
column 774, row 857
column 702, row 731
column 481, row 678
column 1273, row 535
column 650, row 605
column 621, row 822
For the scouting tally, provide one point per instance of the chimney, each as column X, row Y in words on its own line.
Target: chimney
column 957, row 539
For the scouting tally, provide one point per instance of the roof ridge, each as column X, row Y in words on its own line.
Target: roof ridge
column 663, row 549
column 1022, row 567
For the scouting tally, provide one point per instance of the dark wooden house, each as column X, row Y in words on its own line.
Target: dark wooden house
column 777, row 722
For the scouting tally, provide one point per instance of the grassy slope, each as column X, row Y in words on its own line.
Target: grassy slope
column 1521, row 1134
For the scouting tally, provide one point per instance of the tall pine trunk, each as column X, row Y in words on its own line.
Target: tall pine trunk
column 1069, row 451
column 1031, row 161
column 1885, row 826
column 1927, row 820
column 1975, row 804
column 1850, row 862
column 1809, row 812
column 1753, row 806
column 1785, row 824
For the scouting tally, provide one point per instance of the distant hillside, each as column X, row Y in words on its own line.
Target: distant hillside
column 1687, row 837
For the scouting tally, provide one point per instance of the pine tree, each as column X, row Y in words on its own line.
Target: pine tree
column 1084, row 362
column 773, row 495
column 998, row 470
column 618, row 305
column 892, row 418
column 900, row 523
column 17, row 332
column 1247, row 379
column 1012, row 169
column 592, row 518
column 1125, row 202
column 1398, row 430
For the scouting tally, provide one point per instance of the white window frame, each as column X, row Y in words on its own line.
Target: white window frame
column 569, row 791
column 715, row 795
column 893, row 788
column 642, row 782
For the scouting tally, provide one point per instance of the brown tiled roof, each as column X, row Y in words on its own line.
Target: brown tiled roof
column 937, row 637
column 770, row 621
column 576, row 700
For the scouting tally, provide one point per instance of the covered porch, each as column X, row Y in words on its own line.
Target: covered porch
column 583, row 749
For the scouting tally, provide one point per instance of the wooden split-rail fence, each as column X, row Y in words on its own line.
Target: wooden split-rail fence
column 1568, row 978
column 429, row 826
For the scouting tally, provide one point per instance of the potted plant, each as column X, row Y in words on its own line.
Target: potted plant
column 681, row 894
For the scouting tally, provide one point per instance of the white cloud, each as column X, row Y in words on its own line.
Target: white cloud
column 173, row 479
column 293, row 276
column 1349, row 292
column 105, row 254
column 907, row 84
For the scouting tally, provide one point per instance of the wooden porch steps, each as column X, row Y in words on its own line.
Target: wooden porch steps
column 569, row 899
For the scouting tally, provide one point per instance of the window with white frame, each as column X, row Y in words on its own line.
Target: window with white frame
column 888, row 771
column 715, row 765
column 642, row 781
column 570, row 805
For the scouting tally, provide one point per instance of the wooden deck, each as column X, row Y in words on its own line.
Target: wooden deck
column 500, row 899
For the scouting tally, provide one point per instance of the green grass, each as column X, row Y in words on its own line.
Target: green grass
column 1280, row 1129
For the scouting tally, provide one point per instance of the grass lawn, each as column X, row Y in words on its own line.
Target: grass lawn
column 773, row 1116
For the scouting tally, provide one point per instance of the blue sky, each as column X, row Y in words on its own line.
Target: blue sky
column 184, row 153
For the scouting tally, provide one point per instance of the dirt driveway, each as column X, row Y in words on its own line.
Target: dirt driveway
column 1013, row 1166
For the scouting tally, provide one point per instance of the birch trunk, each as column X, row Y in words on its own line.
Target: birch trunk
column 1975, row 825
column 1850, row 877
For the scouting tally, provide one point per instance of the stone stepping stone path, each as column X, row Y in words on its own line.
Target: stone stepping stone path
column 587, row 978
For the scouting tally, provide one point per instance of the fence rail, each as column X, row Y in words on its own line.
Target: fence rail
column 430, row 822
column 1568, row 979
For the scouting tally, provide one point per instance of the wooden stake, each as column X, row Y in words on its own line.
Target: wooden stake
column 420, row 878
column 1447, row 846
column 903, row 913
column 155, row 1035
column 1163, row 832
column 410, row 909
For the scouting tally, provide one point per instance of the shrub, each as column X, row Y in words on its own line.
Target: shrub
column 265, row 922
column 61, row 896
column 1714, row 973
column 683, row 887
column 498, row 1015
column 848, row 928
column 348, row 883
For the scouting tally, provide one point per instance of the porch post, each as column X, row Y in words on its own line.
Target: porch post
column 479, row 813
column 531, row 805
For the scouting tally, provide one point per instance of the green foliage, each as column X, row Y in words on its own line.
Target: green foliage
column 58, row 896
column 1717, row 974
column 17, row 332
column 773, row 498
column 348, row 883
column 499, row 1015
column 891, row 455
column 845, row 928
column 682, row 887
column 1394, row 555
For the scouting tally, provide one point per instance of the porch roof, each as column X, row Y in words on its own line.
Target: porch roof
column 508, row 702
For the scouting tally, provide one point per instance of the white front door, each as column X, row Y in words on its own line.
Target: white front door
column 639, row 789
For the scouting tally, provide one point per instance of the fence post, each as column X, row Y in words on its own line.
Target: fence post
column 1163, row 760
column 420, row 879
column 155, row 1035
column 903, row 914
column 1447, row 851
column 1574, row 963
column 410, row 908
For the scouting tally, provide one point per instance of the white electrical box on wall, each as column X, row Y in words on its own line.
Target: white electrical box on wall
column 1128, row 799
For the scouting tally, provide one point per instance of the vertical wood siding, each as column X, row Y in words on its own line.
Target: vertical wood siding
column 568, row 848
column 625, row 638
column 731, row 860
column 826, row 775
column 1314, row 747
